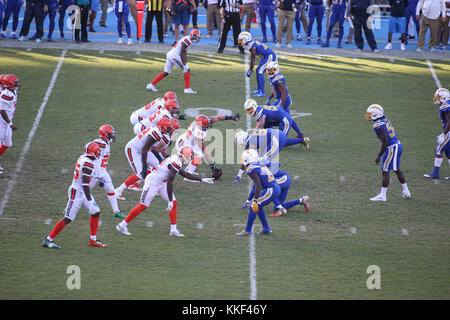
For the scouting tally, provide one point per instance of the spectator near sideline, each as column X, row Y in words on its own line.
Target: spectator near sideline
column 248, row 6
column 315, row 12
column 267, row 8
column 433, row 13
column 85, row 6
column 337, row 15
column 230, row 19
column 410, row 12
column 95, row 5
column 62, row 13
column 213, row 11
column 300, row 17
column 34, row 9
column 397, row 23
column 286, row 18
column 155, row 9
column 181, row 9
column 358, row 11
column 11, row 7
column 446, row 27
column 122, row 11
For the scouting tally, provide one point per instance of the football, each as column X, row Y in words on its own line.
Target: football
column 217, row 173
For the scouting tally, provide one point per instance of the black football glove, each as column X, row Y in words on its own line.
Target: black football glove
column 181, row 117
column 237, row 116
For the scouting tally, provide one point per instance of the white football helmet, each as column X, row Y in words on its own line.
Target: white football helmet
column 241, row 138
column 374, row 112
column 272, row 68
column 441, row 95
column 249, row 156
column 250, row 106
column 244, row 38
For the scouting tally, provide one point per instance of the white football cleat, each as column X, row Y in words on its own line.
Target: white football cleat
column 402, row 47
column 305, row 202
column 123, row 229
column 119, row 195
column 134, row 187
column 447, row 178
column 388, row 46
column 406, row 195
column 151, row 87
column 378, row 198
column 130, row 42
column 176, row 233
column 189, row 90
column 119, row 41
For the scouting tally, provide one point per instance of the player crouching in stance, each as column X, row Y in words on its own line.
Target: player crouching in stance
column 267, row 190
column 80, row 196
column 390, row 152
column 442, row 97
column 177, row 56
column 160, row 182
column 107, row 136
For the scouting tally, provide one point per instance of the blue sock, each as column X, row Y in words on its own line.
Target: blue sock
column 262, row 218
column 251, row 218
column 291, row 141
column 260, row 81
column 294, row 126
column 291, row 204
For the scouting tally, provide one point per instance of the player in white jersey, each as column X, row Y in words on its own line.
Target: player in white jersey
column 177, row 56
column 80, row 197
column 160, row 182
column 169, row 111
column 8, row 101
column 101, row 175
column 195, row 138
column 137, row 152
column 149, row 109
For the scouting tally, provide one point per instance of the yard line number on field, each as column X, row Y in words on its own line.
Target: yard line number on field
column 31, row 134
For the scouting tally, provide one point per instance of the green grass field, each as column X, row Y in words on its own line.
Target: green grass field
column 324, row 261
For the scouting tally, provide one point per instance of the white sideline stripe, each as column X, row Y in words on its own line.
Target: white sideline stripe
column 27, row 145
column 252, row 254
column 433, row 73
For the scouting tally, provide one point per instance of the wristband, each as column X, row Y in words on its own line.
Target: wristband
column 10, row 123
column 240, row 173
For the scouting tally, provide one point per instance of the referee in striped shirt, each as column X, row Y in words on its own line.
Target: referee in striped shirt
column 230, row 18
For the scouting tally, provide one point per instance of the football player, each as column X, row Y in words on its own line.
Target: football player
column 267, row 190
column 137, row 152
column 169, row 110
column 390, row 152
column 177, row 56
column 195, row 136
column 149, row 109
column 284, row 181
column 80, row 196
column 107, row 135
column 160, row 182
column 269, row 116
column 267, row 55
column 8, row 100
column 283, row 99
column 442, row 97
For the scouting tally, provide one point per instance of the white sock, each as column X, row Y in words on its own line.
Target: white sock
column 173, row 227
column 405, row 187
column 49, row 239
column 123, row 223
column 122, row 187
column 383, row 192
column 449, row 161
column 113, row 202
column 93, row 237
column 438, row 162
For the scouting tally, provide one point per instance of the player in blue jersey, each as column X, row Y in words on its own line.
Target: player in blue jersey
column 280, row 92
column 284, row 181
column 390, row 152
column 62, row 13
column 267, row 191
column 315, row 12
column 442, row 97
column 269, row 116
column 337, row 15
column 269, row 143
column 11, row 7
column 267, row 8
column 266, row 54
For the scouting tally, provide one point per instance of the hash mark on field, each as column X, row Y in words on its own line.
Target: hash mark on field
column 353, row 230
column 404, row 231
column 101, row 51
column 149, row 224
column 296, row 177
column 35, row 126
column 48, row 221
column 100, row 223
column 63, row 170
column 342, row 178
column 138, row 52
column 302, row 228
column 29, row 49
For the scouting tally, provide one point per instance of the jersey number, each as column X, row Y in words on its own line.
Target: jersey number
column 390, row 129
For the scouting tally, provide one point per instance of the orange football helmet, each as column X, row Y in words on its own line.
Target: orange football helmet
column 203, row 121
column 170, row 95
column 11, row 81
column 107, row 133
column 194, row 35
column 92, row 149
column 171, row 106
column 164, row 125
column 175, row 126
column 2, row 76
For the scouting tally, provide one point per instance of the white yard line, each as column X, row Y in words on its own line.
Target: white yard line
column 433, row 73
column 31, row 134
column 252, row 246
